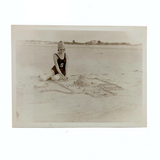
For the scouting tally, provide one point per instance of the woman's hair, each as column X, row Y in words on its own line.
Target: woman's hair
column 61, row 45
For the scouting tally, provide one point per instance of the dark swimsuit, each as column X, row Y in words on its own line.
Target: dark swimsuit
column 61, row 64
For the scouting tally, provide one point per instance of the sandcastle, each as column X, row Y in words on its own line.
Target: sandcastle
column 81, row 81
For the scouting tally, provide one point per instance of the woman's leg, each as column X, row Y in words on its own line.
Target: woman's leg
column 47, row 76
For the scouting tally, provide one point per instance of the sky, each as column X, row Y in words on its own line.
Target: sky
column 79, row 36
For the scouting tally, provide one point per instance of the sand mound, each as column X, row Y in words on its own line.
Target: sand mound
column 81, row 81
column 94, row 86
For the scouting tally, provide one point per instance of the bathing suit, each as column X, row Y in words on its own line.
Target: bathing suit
column 61, row 64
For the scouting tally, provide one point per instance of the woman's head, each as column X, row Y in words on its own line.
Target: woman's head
column 61, row 47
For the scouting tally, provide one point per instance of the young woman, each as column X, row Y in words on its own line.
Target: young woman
column 59, row 70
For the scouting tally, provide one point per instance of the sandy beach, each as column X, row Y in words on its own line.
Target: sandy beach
column 111, row 93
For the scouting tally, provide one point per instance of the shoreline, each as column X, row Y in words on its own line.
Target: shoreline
column 139, row 46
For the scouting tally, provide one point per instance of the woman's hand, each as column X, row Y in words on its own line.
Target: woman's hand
column 64, row 77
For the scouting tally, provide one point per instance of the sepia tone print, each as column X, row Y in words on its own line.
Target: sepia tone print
column 74, row 76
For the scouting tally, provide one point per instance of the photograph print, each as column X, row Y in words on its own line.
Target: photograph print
column 78, row 76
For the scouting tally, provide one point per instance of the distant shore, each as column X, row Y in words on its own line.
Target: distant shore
column 104, row 45
column 90, row 43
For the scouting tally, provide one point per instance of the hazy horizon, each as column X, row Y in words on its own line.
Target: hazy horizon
column 79, row 36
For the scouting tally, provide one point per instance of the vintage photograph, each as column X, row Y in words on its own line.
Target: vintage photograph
column 79, row 76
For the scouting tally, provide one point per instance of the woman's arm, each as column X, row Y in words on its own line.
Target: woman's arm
column 66, row 68
column 55, row 58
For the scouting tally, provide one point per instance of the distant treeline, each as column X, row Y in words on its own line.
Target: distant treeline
column 98, row 43
column 93, row 42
